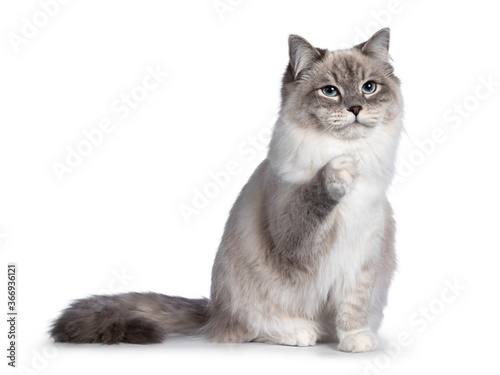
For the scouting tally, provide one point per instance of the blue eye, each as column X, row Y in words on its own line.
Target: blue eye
column 369, row 87
column 330, row 91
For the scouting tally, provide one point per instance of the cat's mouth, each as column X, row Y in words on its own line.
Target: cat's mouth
column 353, row 126
column 355, row 123
column 358, row 122
column 350, row 124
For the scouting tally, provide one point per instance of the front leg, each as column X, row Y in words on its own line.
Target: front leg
column 296, row 218
column 352, row 315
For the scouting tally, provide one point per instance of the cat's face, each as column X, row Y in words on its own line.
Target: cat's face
column 346, row 93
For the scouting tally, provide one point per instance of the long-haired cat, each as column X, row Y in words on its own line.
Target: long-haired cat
column 307, row 253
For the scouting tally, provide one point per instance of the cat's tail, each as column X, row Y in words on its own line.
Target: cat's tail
column 136, row 318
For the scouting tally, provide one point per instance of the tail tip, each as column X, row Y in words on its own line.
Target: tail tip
column 74, row 328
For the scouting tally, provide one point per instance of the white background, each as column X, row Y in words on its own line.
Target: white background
column 118, row 210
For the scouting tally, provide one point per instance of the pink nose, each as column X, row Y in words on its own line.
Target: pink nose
column 355, row 109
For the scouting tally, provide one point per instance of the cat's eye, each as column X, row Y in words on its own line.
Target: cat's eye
column 330, row 91
column 369, row 87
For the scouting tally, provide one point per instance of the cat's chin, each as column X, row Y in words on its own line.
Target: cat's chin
column 360, row 122
column 351, row 130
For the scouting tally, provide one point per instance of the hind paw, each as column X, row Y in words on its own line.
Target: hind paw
column 360, row 342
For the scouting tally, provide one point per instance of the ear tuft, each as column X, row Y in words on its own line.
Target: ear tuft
column 378, row 45
column 302, row 54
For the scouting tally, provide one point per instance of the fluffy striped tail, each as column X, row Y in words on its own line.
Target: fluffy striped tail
column 135, row 318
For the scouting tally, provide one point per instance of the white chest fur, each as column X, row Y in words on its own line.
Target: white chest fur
column 360, row 225
column 297, row 154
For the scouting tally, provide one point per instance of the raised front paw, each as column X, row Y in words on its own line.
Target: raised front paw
column 339, row 175
column 360, row 342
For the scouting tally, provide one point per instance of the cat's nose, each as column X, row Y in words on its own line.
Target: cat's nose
column 355, row 109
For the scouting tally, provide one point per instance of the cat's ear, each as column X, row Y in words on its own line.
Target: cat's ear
column 377, row 46
column 302, row 54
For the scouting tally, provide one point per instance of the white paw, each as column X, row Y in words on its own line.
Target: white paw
column 358, row 342
column 305, row 337
column 299, row 337
column 339, row 175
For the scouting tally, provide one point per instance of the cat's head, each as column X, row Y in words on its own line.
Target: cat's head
column 347, row 93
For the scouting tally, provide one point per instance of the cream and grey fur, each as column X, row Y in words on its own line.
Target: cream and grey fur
column 307, row 253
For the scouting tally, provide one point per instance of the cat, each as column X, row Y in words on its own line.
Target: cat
column 307, row 253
